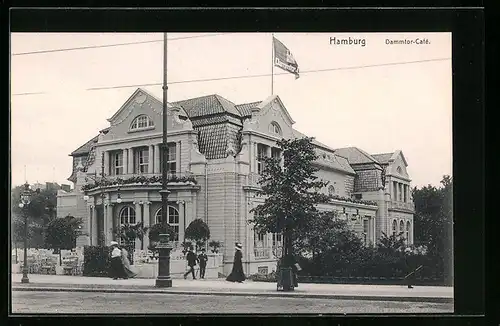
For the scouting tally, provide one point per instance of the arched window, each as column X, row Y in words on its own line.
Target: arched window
column 399, row 170
column 127, row 215
column 141, row 122
column 331, row 190
column 394, row 227
column 172, row 219
column 274, row 128
column 401, row 227
column 408, row 226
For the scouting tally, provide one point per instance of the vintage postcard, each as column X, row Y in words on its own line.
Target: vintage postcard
column 231, row 173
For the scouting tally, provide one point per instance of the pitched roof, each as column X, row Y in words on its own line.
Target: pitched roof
column 215, row 139
column 383, row 158
column 85, row 148
column 245, row 109
column 355, row 155
column 298, row 134
column 207, row 105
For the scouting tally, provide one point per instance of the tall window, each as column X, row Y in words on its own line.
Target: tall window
column 402, row 227
column 408, row 231
column 116, row 163
column 395, row 190
column 172, row 219
column 366, row 230
column 141, row 122
column 141, row 158
column 275, row 153
column 400, row 191
column 127, row 215
column 394, row 227
column 261, row 155
column 171, row 158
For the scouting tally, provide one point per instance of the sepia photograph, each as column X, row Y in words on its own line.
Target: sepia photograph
column 231, row 173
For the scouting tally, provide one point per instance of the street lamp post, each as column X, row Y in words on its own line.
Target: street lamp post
column 163, row 279
column 25, row 201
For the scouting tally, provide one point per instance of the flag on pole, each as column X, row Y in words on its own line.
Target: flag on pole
column 284, row 59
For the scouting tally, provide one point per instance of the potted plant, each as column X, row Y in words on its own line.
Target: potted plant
column 215, row 245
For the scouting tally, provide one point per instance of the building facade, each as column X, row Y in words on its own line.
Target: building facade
column 215, row 154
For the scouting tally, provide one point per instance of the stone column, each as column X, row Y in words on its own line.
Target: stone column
column 373, row 230
column 130, row 161
column 125, row 161
column 157, row 153
column 150, row 159
column 182, row 223
column 147, row 208
column 94, row 226
column 138, row 214
column 90, row 214
column 108, row 224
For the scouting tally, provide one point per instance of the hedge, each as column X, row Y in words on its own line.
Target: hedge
column 96, row 261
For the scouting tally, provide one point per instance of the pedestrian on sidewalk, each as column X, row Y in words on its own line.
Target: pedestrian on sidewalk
column 191, row 259
column 116, row 270
column 126, row 264
column 237, row 274
column 203, row 258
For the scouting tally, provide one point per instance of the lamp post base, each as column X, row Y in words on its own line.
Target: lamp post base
column 163, row 282
column 25, row 279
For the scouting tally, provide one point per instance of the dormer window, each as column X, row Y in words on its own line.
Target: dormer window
column 141, row 122
column 274, row 128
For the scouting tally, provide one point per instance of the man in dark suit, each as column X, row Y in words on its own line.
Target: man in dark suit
column 191, row 259
column 203, row 258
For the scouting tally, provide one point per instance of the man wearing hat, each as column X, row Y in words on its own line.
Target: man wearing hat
column 237, row 274
column 116, row 261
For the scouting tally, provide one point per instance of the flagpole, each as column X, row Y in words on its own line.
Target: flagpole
column 272, row 64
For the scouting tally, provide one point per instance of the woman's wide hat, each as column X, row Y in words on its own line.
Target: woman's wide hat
column 113, row 243
column 238, row 246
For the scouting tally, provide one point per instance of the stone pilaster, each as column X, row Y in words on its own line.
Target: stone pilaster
column 150, row 159
column 157, row 153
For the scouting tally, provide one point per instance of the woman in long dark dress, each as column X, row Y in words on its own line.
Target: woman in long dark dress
column 237, row 274
column 116, row 270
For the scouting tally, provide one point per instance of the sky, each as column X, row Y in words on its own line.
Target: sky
column 379, row 97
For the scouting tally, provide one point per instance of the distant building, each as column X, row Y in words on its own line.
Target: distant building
column 215, row 154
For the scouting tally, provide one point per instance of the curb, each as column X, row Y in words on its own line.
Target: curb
column 246, row 294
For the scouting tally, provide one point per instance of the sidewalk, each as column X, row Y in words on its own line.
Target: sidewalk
column 222, row 287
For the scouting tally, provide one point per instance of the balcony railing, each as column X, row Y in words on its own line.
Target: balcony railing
column 262, row 253
column 402, row 205
column 129, row 179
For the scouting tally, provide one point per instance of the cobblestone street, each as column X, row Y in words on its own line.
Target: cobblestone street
column 120, row 303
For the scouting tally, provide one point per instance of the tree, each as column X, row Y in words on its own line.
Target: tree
column 61, row 234
column 39, row 213
column 433, row 224
column 198, row 231
column 128, row 234
column 290, row 193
